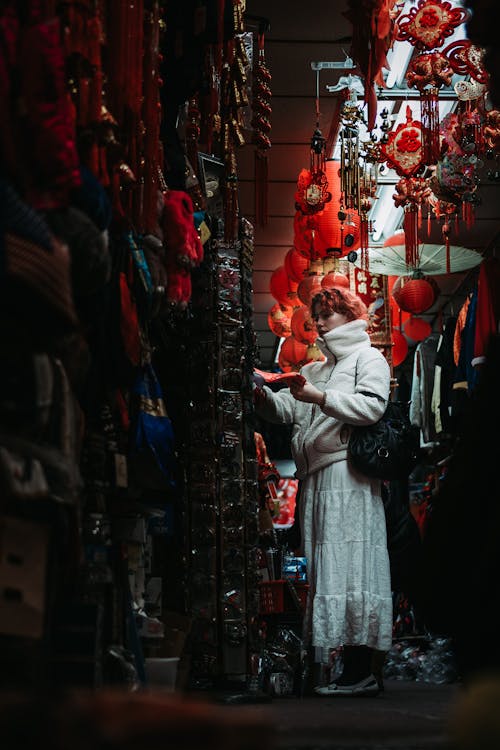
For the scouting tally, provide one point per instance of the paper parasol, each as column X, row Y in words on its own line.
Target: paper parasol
column 389, row 260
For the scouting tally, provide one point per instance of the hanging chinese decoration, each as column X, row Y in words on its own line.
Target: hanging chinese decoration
column 372, row 36
column 337, row 231
column 293, row 354
column 282, row 288
column 279, row 320
column 233, row 99
column 311, row 283
column 261, row 108
column 403, row 152
column 411, row 193
column 427, row 73
column 303, row 326
column 358, row 175
column 312, row 185
column 296, row 264
column 415, row 294
column 428, row 24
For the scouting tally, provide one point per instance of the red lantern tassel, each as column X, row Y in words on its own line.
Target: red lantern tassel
column 410, row 226
column 468, row 214
column 447, row 243
column 429, row 114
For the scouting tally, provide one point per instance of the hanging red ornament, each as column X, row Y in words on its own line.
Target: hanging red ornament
column 303, row 326
column 399, row 347
column 427, row 73
column 309, row 286
column 415, row 294
column 296, row 264
column 312, row 191
column 403, row 148
column 282, row 288
column 337, row 229
column 429, row 23
column 293, row 352
column 411, row 193
column 467, row 59
column 417, row 329
column 278, row 320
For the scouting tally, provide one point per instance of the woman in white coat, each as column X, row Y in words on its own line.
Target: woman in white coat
column 342, row 515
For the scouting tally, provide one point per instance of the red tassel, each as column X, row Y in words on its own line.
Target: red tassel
column 468, row 214
column 429, row 115
column 410, row 226
column 447, row 242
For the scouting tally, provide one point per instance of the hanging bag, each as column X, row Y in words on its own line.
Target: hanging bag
column 388, row 449
column 152, row 445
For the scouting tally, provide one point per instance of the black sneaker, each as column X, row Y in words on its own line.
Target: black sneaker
column 368, row 686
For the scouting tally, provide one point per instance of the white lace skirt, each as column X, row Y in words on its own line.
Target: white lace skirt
column 344, row 542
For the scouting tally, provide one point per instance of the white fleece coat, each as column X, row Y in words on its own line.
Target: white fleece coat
column 356, row 379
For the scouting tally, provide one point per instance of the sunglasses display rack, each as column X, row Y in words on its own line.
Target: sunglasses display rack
column 222, row 489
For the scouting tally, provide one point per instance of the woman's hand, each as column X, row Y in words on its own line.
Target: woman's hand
column 307, row 393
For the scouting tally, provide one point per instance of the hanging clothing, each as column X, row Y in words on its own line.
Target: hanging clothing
column 422, row 387
column 487, row 307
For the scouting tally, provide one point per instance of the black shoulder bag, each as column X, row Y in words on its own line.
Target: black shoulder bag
column 388, row 449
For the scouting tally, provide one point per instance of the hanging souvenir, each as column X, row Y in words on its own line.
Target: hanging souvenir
column 466, row 59
column 428, row 24
column 403, row 152
column 427, row 73
column 411, row 193
column 403, row 149
column 372, row 36
column 261, row 106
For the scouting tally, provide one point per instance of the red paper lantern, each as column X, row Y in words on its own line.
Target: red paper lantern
column 293, row 353
column 303, row 326
column 329, row 232
column 415, row 295
column 334, row 278
column 303, row 237
column 283, row 289
column 296, row 264
column 399, row 347
column 417, row 329
column 278, row 320
column 308, row 287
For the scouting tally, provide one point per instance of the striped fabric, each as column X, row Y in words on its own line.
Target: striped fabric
column 47, row 272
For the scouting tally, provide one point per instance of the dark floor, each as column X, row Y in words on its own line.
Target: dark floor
column 407, row 715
